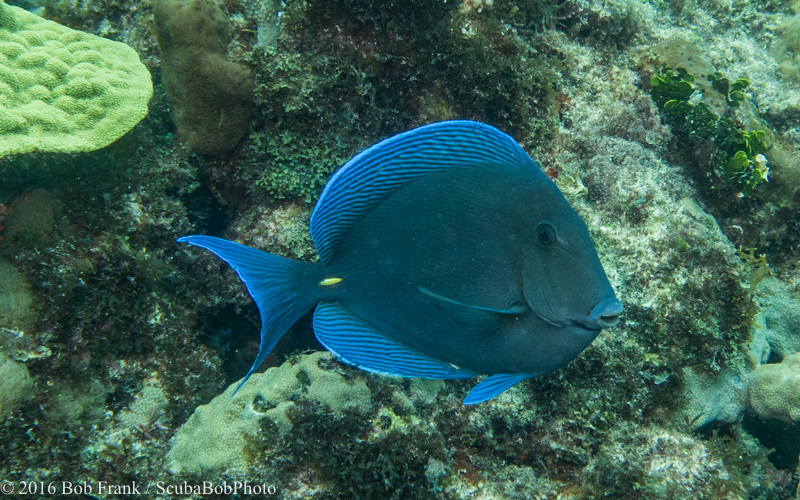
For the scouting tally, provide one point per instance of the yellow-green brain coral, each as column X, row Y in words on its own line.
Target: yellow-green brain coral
column 63, row 90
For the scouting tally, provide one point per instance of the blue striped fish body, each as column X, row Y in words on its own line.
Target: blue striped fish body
column 445, row 252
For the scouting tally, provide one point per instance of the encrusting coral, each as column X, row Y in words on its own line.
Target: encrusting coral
column 15, row 385
column 777, row 331
column 771, row 389
column 775, row 389
column 217, row 435
column 30, row 220
column 15, row 299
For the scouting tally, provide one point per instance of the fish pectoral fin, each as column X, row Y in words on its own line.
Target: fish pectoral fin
column 493, row 385
column 514, row 309
column 358, row 344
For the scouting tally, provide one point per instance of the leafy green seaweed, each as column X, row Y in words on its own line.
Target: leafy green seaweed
column 739, row 153
column 734, row 93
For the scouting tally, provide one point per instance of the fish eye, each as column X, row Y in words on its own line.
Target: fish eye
column 545, row 235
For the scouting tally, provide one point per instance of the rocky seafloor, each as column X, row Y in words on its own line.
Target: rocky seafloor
column 120, row 348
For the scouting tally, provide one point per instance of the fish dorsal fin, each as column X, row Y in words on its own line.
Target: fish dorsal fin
column 357, row 343
column 377, row 172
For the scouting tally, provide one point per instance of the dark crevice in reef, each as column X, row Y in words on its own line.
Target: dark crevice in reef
column 233, row 332
column 783, row 437
column 205, row 212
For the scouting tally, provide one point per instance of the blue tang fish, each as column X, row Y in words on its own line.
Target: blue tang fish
column 445, row 253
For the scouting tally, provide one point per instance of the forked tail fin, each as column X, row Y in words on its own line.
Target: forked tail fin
column 283, row 289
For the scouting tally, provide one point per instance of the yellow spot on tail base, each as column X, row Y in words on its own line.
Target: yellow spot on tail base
column 330, row 281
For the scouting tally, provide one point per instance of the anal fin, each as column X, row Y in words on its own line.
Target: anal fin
column 357, row 343
column 493, row 385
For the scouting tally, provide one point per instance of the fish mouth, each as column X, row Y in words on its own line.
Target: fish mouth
column 606, row 314
column 567, row 323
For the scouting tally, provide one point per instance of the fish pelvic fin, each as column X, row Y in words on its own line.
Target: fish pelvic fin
column 283, row 289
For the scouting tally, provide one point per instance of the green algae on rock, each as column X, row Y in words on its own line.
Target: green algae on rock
column 739, row 155
column 327, row 93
